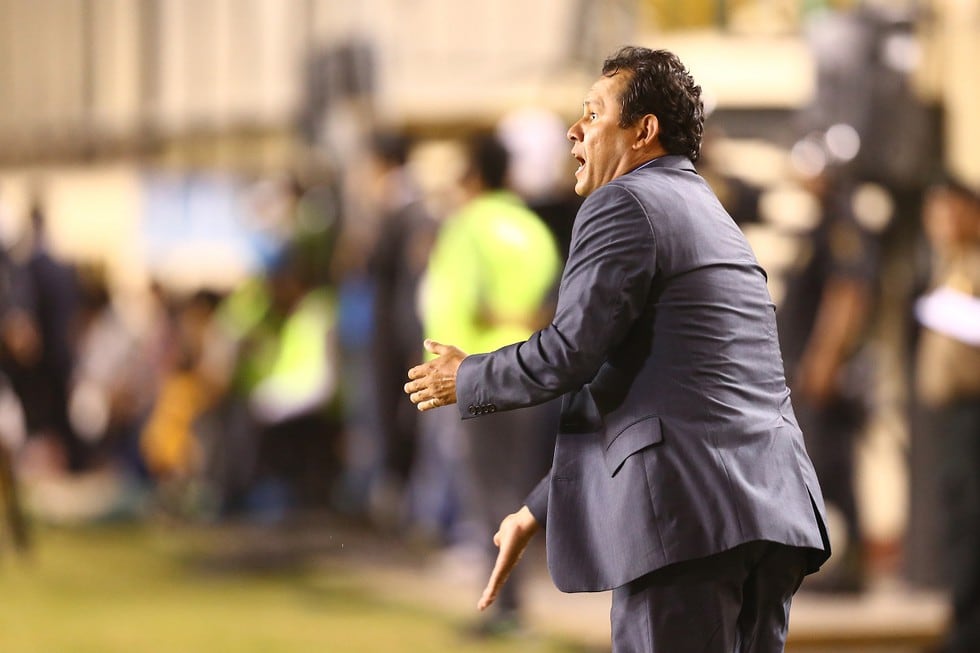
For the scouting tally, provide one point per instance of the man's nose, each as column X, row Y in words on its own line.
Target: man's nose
column 573, row 133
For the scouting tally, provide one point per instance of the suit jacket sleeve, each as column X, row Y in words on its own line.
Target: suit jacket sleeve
column 603, row 289
column 537, row 500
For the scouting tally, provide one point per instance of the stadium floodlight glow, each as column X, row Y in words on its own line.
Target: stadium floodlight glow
column 842, row 142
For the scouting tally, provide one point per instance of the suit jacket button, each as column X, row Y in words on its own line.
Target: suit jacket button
column 491, row 408
column 471, row 409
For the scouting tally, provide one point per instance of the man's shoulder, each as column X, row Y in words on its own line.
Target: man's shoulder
column 618, row 191
column 613, row 200
column 644, row 190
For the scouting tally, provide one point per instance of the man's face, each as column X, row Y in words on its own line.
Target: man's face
column 601, row 146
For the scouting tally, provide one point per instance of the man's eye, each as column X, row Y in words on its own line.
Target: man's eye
column 593, row 115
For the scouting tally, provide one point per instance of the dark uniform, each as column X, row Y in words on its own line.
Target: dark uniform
column 839, row 248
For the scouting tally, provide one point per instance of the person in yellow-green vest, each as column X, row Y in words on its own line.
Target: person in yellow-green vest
column 488, row 284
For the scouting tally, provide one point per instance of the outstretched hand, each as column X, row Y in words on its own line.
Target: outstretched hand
column 433, row 384
column 516, row 531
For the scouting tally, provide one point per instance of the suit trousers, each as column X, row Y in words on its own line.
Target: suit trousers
column 735, row 601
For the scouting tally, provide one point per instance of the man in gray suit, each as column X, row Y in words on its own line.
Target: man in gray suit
column 680, row 480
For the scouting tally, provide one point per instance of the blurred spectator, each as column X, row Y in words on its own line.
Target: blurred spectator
column 7, row 269
column 290, row 399
column 405, row 234
column 257, row 369
column 38, row 354
column 740, row 198
column 316, row 225
column 267, row 442
column 113, row 385
column 10, row 504
column 242, row 342
column 492, row 267
column 362, row 447
column 823, row 327
column 167, row 440
column 948, row 390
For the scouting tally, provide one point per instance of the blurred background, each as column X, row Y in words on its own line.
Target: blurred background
column 219, row 221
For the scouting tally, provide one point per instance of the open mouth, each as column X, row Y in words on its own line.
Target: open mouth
column 581, row 163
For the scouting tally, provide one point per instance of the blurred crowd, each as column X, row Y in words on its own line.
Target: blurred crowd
column 282, row 394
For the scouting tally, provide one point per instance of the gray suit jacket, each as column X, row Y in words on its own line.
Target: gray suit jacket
column 677, row 438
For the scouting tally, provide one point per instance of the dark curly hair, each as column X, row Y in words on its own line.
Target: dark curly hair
column 660, row 84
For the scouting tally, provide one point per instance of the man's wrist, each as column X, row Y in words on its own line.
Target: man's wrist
column 527, row 520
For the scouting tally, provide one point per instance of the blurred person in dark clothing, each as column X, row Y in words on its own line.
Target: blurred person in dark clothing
column 487, row 284
column 740, row 198
column 37, row 348
column 948, row 392
column 823, row 325
column 316, row 226
column 10, row 503
column 404, row 238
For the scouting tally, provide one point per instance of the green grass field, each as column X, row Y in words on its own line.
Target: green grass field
column 135, row 589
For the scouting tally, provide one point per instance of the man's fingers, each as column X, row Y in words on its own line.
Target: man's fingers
column 492, row 589
column 433, row 384
column 426, row 397
column 434, row 347
column 506, row 559
column 487, row 599
column 501, row 570
column 440, row 399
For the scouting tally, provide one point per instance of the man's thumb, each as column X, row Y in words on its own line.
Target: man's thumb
column 434, row 347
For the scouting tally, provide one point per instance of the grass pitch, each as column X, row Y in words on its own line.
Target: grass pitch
column 136, row 589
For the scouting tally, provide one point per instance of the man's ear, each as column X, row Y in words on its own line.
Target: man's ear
column 647, row 132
